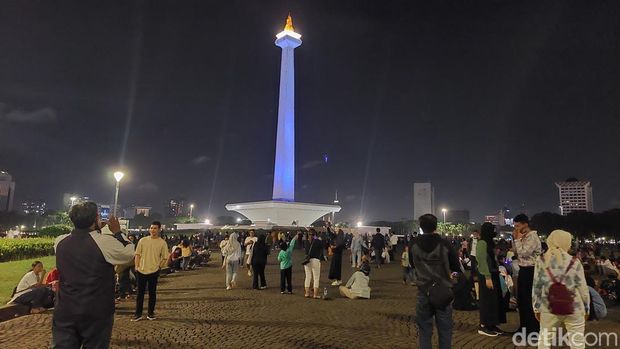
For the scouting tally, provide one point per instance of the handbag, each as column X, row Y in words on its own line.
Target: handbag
column 307, row 258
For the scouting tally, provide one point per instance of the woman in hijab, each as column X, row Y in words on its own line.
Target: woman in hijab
column 232, row 254
column 491, row 311
column 259, row 260
column 556, row 265
column 335, row 268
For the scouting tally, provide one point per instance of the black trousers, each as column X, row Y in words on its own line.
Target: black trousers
column 143, row 281
column 491, row 303
column 525, row 282
column 82, row 332
column 285, row 277
column 258, row 271
column 39, row 297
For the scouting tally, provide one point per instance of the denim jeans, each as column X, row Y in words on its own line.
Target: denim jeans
column 231, row 271
column 356, row 258
column 424, row 315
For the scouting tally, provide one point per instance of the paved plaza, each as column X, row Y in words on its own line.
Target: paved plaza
column 195, row 311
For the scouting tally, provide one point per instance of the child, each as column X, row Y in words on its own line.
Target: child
column 286, row 265
column 407, row 269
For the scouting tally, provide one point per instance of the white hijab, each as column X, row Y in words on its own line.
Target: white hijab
column 232, row 246
column 559, row 242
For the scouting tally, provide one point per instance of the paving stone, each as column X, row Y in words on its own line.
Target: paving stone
column 194, row 310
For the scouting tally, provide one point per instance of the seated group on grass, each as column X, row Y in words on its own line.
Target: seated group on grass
column 35, row 290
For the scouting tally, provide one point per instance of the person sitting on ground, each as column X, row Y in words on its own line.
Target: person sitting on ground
column 598, row 309
column 357, row 286
column 31, row 290
column 174, row 259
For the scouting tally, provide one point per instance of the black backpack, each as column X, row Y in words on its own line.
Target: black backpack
column 439, row 293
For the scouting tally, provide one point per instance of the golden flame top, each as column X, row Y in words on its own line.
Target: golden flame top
column 289, row 24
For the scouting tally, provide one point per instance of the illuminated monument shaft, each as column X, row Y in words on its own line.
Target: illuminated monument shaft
column 284, row 171
column 282, row 210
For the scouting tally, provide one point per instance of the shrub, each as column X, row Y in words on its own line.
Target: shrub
column 55, row 230
column 15, row 249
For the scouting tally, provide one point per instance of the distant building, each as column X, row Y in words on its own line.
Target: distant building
column 458, row 216
column 493, row 219
column 7, row 191
column 423, row 199
column 69, row 199
column 135, row 210
column 575, row 195
column 34, row 207
column 499, row 218
column 175, row 208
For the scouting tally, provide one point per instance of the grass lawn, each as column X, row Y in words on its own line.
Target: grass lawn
column 12, row 272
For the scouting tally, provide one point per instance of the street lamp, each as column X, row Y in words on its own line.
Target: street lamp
column 359, row 224
column 207, row 221
column 73, row 198
column 238, row 220
column 118, row 175
column 444, row 210
column 191, row 210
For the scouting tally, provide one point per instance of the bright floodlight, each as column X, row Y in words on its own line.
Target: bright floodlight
column 207, row 221
column 444, row 210
column 238, row 220
column 191, row 206
column 73, row 198
column 118, row 175
column 359, row 224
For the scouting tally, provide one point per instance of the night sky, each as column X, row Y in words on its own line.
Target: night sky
column 491, row 101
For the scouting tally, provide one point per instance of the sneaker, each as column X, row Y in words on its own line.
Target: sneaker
column 151, row 317
column 228, row 288
column 499, row 331
column 336, row 283
column 290, row 292
column 263, row 287
column 249, row 273
column 282, row 292
column 137, row 318
column 487, row 332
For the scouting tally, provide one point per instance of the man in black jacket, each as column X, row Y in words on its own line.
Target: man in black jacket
column 435, row 262
column 378, row 244
column 84, row 310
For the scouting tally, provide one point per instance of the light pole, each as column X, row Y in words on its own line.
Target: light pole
column 444, row 210
column 118, row 175
column 73, row 198
column 191, row 210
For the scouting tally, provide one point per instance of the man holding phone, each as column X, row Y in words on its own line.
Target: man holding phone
column 527, row 246
column 85, row 259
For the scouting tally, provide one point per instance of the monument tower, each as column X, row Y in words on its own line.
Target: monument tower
column 284, row 171
column 282, row 210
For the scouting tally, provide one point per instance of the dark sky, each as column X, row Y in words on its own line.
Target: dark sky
column 491, row 101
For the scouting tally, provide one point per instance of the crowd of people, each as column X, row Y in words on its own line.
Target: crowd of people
column 556, row 282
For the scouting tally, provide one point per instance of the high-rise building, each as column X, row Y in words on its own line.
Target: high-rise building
column 7, row 191
column 175, row 208
column 70, row 199
column 34, row 207
column 423, row 199
column 575, row 195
